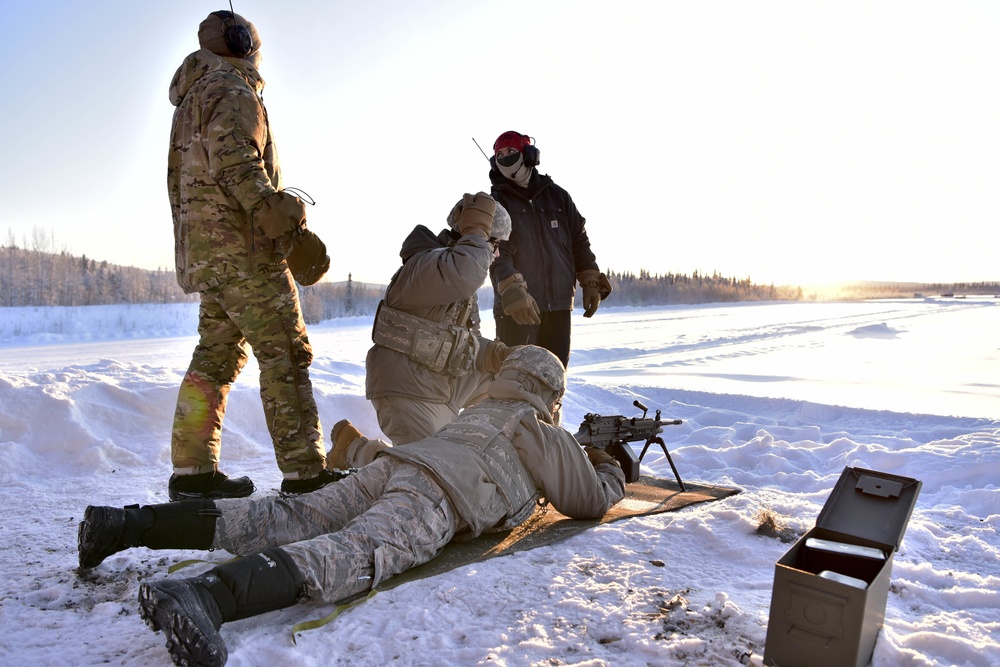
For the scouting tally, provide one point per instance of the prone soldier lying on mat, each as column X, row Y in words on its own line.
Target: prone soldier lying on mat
column 484, row 471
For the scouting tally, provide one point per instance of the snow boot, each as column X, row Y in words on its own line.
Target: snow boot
column 342, row 434
column 298, row 486
column 212, row 484
column 189, row 524
column 191, row 611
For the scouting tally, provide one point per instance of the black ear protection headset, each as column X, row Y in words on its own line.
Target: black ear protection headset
column 237, row 36
column 532, row 156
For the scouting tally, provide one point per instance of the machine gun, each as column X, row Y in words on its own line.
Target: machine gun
column 612, row 434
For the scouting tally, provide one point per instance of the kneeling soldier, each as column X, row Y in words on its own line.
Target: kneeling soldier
column 429, row 359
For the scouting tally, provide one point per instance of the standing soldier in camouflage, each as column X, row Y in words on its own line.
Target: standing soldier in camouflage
column 483, row 472
column 233, row 228
column 429, row 359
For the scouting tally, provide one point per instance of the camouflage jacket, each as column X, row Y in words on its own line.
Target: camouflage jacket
column 493, row 475
column 222, row 164
column 437, row 273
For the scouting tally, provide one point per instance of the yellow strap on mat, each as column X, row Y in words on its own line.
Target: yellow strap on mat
column 320, row 622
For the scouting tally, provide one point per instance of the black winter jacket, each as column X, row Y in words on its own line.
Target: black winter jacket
column 548, row 241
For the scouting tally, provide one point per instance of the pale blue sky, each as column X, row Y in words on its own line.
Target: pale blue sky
column 793, row 142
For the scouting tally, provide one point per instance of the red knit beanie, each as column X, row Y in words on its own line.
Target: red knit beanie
column 511, row 139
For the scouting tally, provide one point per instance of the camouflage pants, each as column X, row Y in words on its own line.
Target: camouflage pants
column 264, row 312
column 346, row 537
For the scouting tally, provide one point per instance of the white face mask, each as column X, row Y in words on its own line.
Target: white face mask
column 516, row 171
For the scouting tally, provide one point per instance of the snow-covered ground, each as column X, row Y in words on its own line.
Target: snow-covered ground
column 776, row 399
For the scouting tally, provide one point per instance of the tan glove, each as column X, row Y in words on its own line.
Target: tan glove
column 494, row 354
column 280, row 213
column 596, row 288
column 598, row 456
column 516, row 302
column 307, row 260
column 476, row 216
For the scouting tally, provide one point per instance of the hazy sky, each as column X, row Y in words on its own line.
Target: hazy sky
column 792, row 142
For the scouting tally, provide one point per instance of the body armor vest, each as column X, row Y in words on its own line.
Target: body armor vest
column 486, row 429
column 449, row 346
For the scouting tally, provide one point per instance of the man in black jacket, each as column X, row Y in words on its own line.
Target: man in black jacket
column 535, row 275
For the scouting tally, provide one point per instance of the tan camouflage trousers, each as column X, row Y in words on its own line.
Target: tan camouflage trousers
column 264, row 313
column 406, row 419
column 348, row 536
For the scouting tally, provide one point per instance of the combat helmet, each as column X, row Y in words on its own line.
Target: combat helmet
column 501, row 224
column 501, row 221
column 540, row 364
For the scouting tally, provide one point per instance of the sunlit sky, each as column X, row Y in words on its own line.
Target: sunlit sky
column 795, row 142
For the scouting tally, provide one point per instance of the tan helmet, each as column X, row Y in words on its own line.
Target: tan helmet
column 540, row 364
column 501, row 221
column 501, row 224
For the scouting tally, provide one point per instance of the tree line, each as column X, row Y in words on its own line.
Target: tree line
column 327, row 300
column 33, row 277
column 647, row 289
column 37, row 278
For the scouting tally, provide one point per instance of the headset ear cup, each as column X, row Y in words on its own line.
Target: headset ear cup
column 238, row 40
column 532, row 156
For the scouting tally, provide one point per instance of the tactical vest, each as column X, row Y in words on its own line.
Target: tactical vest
column 449, row 346
column 486, row 428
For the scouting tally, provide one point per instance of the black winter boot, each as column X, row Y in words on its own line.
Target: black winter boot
column 297, row 486
column 104, row 531
column 191, row 611
column 213, row 484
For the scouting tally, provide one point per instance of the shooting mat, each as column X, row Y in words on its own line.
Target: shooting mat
column 649, row 495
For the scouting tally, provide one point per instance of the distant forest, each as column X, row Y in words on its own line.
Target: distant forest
column 32, row 277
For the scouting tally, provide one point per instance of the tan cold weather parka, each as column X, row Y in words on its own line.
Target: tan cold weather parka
column 438, row 274
column 222, row 164
column 503, row 453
